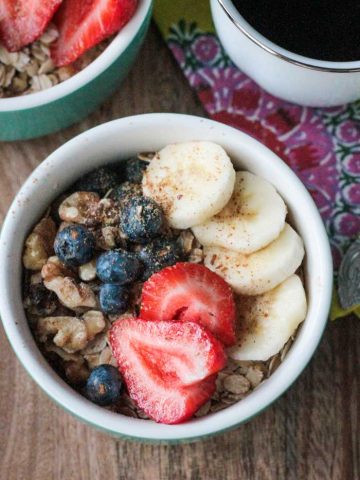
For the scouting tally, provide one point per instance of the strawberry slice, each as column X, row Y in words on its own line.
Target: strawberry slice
column 191, row 292
column 24, row 21
column 168, row 367
column 84, row 24
column 178, row 353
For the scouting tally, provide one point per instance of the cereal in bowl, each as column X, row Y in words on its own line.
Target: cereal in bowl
column 167, row 286
column 55, row 39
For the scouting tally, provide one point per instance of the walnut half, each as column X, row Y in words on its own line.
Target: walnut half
column 39, row 244
column 71, row 333
column 59, row 280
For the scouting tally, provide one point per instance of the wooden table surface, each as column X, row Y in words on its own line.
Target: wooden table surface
column 312, row 432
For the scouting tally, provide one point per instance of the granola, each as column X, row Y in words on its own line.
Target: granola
column 31, row 70
column 63, row 307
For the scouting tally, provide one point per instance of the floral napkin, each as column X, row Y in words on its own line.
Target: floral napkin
column 321, row 145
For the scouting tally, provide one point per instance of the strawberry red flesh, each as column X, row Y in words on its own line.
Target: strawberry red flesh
column 24, row 21
column 191, row 292
column 84, row 24
column 169, row 367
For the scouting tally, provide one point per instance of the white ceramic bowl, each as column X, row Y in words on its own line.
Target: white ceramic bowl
column 119, row 140
column 285, row 74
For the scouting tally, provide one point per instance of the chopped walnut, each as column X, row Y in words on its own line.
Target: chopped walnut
column 106, row 356
column 75, row 368
column 108, row 238
column 87, row 272
column 71, row 333
column 55, row 268
column 97, row 345
column 95, row 323
column 66, row 356
column 109, row 212
column 40, row 244
column 59, row 280
column 86, row 208
column 78, row 208
column 92, row 360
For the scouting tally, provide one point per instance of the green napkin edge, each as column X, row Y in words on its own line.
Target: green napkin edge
column 338, row 312
column 168, row 13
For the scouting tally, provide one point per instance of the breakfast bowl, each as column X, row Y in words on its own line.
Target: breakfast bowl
column 287, row 75
column 40, row 113
column 117, row 141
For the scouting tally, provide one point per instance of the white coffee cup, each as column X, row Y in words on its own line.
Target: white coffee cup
column 285, row 74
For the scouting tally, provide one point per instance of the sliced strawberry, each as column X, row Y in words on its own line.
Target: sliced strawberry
column 84, row 24
column 23, row 21
column 178, row 353
column 191, row 292
column 167, row 366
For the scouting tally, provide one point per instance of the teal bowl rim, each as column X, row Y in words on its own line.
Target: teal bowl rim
column 297, row 358
column 116, row 47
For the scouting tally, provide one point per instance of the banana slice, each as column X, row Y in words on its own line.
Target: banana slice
column 254, row 217
column 191, row 181
column 268, row 321
column 260, row 271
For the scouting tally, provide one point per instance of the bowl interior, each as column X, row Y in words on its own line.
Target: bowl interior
column 118, row 140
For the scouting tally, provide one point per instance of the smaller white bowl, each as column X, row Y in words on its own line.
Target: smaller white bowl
column 285, row 74
column 118, row 140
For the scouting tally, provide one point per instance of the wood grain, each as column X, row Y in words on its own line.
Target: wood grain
column 312, row 432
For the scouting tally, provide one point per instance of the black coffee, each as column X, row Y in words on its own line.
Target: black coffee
column 320, row 29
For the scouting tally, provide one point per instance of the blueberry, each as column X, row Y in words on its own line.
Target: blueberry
column 141, row 219
column 114, row 299
column 99, row 181
column 134, row 170
column 104, row 385
column 74, row 245
column 119, row 267
column 159, row 254
column 125, row 191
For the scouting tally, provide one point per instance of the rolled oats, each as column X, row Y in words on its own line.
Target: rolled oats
column 31, row 70
column 254, row 375
column 204, row 410
column 237, row 384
